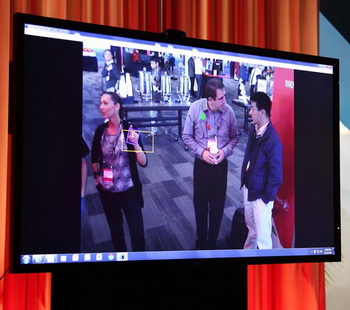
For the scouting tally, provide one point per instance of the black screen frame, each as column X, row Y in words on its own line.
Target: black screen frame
column 16, row 107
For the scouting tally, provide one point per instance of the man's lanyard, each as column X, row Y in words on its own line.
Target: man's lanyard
column 208, row 127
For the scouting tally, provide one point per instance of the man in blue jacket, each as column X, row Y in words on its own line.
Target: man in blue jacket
column 261, row 173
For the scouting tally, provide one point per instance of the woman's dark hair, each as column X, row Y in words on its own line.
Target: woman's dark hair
column 211, row 87
column 116, row 99
column 263, row 101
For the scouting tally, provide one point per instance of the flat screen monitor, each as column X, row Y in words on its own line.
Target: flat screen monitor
column 122, row 156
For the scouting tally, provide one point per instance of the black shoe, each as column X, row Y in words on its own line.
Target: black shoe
column 200, row 246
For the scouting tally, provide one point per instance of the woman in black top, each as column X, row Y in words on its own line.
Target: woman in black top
column 115, row 155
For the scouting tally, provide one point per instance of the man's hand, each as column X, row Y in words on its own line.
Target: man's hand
column 208, row 157
column 219, row 157
column 213, row 159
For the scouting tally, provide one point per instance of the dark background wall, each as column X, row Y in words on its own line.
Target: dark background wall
column 334, row 39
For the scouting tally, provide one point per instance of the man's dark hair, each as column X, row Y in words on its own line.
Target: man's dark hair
column 116, row 99
column 155, row 59
column 211, row 87
column 263, row 101
column 108, row 50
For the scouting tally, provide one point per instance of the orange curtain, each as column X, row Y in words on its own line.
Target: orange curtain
column 290, row 25
column 286, row 286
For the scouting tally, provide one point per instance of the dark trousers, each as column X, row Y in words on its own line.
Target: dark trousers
column 114, row 205
column 193, row 93
column 199, row 79
column 156, row 96
column 209, row 185
column 252, row 87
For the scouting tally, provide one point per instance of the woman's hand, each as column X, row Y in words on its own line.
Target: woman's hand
column 96, row 169
column 133, row 137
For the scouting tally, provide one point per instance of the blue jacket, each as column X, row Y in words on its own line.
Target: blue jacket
column 264, row 175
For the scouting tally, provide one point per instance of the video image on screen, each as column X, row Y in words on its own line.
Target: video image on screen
column 168, row 215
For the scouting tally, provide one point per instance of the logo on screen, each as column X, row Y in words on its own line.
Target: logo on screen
column 26, row 259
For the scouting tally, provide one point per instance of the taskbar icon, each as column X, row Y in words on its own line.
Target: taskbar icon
column 121, row 257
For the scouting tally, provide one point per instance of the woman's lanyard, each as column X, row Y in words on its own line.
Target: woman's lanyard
column 110, row 158
column 113, row 145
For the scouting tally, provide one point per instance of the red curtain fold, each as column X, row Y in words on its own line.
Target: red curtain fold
column 286, row 286
column 290, row 25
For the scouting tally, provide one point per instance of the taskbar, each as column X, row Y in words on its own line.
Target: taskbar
column 27, row 259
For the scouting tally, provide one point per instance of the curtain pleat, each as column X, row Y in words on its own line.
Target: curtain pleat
column 290, row 25
column 4, row 85
column 287, row 287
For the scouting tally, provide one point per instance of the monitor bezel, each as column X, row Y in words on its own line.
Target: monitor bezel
column 168, row 37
